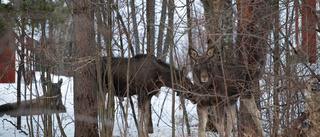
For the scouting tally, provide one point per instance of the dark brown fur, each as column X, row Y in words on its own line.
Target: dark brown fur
column 218, row 84
column 147, row 76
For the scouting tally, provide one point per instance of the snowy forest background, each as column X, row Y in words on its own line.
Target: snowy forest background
column 60, row 38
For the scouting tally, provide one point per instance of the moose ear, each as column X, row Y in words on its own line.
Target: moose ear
column 60, row 81
column 210, row 52
column 193, row 54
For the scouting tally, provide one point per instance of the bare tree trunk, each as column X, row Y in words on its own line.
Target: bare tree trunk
column 20, row 69
column 172, row 70
column 127, row 94
column 161, row 28
column 189, row 25
column 31, row 67
column 212, row 12
column 135, row 27
column 144, row 32
column 101, row 85
column 253, row 29
column 85, row 87
column 150, row 13
column 127, row 79
column 150, row 26
column 227, row 47
column 170, row 28
column 47, row 88
column 276, row 68
column 47, row 122
column 289, row 69
column 185, row 114
column 106, row 15
column 110, row 104
column 121, row 39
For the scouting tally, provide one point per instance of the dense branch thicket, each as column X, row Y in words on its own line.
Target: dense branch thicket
column 278, row 39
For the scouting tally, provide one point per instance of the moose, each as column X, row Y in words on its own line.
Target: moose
column 36, row 106
column 147, row 75
column 220, row 84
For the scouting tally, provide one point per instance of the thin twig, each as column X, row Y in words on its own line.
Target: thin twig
column 14, row 125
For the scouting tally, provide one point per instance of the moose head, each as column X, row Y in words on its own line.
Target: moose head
column 202, row 65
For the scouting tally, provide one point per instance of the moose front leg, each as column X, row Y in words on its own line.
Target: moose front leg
column 203, row 118
column 255, row 112
column 144, row 104
column 220, row 119
column 150, row 124
column 231, row 116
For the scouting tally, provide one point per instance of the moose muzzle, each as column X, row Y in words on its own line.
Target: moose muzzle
column 204, row 77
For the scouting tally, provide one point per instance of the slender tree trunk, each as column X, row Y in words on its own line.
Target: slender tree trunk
column 19, row 88
column 110, row 104
column 212, row 12
column 170, row 28
column 101, row 84
column 20, row 68
column 171, row 43
column 150, row 26
column 276, row 69
column 85, row 87
column 47, row 122
column 227, row 47
column 135, row 27
column 182, row 100
column 189, row 25
column 127, row 94
column 161, row 29
column 120, row 39
column 289, row 67
column 106, row 17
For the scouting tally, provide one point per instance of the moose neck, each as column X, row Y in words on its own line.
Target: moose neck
column 217, row 68
column 165, row 75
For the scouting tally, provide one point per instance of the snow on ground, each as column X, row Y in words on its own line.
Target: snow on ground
column 161, row 113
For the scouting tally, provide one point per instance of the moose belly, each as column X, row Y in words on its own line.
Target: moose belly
column 205, row 100
column 213, row 99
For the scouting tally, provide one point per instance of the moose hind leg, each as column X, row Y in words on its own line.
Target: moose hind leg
column 255, row 112
column 148, row 118
column 231, row 116
column 150, row 124
column 141, row 119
